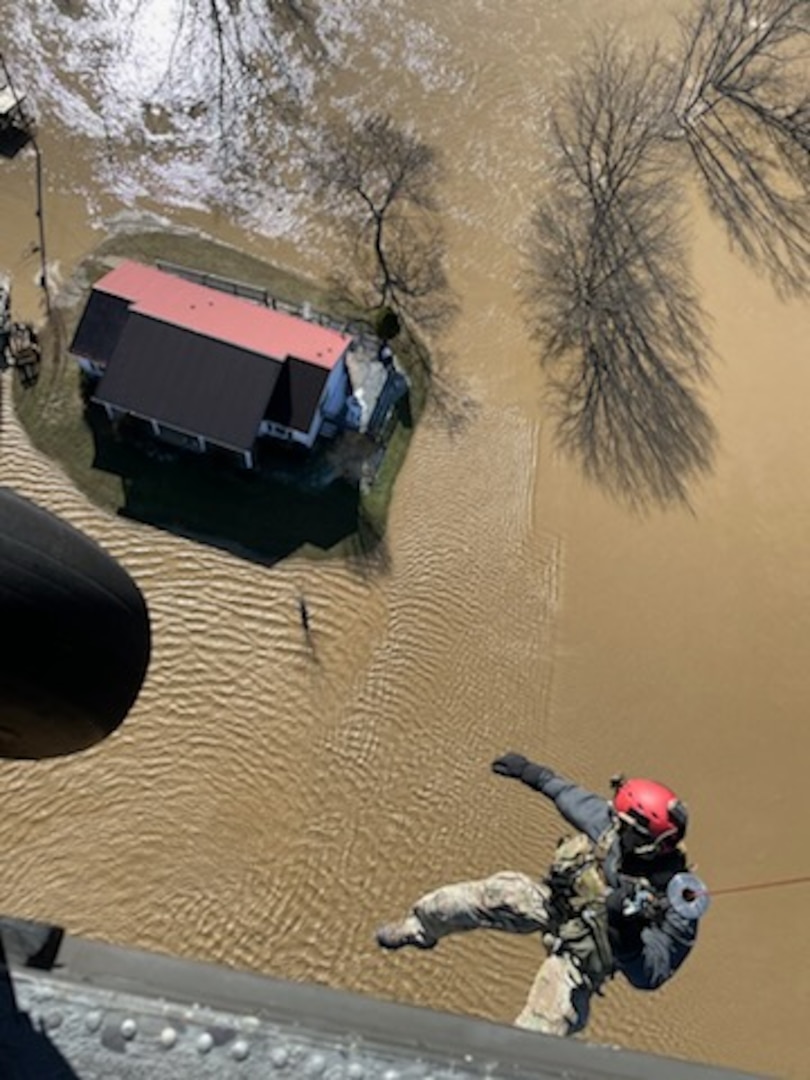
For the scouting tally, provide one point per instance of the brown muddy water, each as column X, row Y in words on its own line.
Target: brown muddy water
column 267, row 809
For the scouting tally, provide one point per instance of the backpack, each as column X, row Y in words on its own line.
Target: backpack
column 575, row 876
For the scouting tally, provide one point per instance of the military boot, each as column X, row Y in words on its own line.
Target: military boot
column 408, row 932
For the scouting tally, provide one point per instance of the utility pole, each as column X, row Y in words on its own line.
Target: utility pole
column 43, row 261
column 29, row 130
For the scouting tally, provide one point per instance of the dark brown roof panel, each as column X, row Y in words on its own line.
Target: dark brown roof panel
column 189, row 382
column 296, row 394
column 100, row 327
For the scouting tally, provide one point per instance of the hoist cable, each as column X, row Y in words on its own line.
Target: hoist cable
column 758, row 885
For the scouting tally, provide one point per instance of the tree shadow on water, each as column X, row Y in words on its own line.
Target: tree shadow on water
column 612, row 304
column 742, row 107
column 637, row 431
column 609, row 292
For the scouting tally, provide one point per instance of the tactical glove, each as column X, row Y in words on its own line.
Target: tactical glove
column 632, row 899
column 618, row 897
column 519, row 767
column 511, row 765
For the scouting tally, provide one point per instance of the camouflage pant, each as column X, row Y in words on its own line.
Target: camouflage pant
column 558, row 1002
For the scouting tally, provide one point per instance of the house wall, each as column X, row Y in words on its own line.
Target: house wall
column 280, row 432
column 90, row 367
column 199, row 445
column 183, row 439
column 314, row 429
column 331, row 405
column 336, row 390
column 395, row 386
column 179, row 438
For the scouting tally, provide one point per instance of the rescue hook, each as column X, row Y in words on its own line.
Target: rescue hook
column 688, row 895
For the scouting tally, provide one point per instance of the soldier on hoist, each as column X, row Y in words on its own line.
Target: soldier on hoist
column 605, row 906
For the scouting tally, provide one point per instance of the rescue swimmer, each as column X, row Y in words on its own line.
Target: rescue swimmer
column 601, row 910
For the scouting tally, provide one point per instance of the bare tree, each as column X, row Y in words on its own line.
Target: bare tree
column 743, row 105
column 383, row 180
column 608, row 288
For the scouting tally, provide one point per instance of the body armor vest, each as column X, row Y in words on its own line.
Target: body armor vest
column 579, row 916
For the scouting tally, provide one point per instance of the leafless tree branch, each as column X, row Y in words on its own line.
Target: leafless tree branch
column 382, row 181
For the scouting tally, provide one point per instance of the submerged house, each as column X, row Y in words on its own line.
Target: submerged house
column 208, row 370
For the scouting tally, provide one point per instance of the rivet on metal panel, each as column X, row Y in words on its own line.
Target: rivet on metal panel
column 53, row 1020
column 279, row 1057
column 240, row 1050
column 315, row 1065
column 129, row 1028
column 93, row 1020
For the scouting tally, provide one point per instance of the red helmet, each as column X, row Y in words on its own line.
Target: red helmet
column 652, row 810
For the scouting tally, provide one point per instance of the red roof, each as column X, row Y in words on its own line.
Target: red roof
column 214, row 314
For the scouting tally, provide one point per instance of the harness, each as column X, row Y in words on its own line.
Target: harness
column 578, row 923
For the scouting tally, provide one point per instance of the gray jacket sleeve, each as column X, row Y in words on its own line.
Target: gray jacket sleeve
column 587, row 812
column 664, row 948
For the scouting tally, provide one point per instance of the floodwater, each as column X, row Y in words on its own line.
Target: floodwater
column 268, row 809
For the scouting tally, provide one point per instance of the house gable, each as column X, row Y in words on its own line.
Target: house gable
column 296, row 395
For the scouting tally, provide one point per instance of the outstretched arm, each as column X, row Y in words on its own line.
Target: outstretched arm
column 586, row 811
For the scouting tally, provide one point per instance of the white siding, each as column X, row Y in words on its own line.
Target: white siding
column 332, row 401
column 91, row 367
